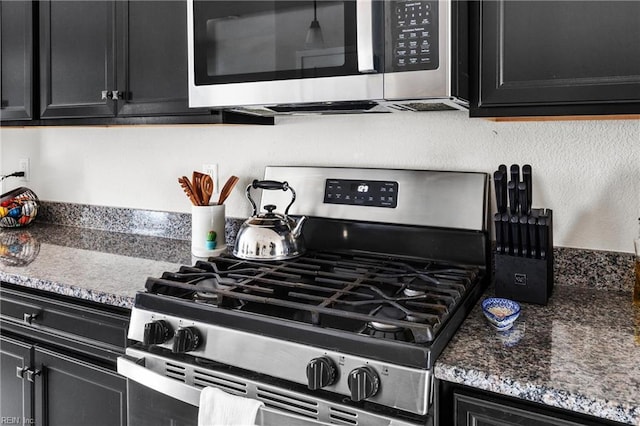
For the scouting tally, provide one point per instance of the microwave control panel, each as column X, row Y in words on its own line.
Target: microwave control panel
column 413, row 43
column 373, row 193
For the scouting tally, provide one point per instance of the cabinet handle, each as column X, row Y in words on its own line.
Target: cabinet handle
column 29, row 318
column 20, row 372
column 114, row 95
column 31, row 374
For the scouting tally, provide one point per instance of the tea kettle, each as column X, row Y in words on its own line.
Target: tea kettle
column 270, row 236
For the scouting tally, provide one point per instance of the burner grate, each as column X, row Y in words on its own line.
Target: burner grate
column 346, row 291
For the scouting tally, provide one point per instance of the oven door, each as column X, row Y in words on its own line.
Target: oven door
column 278, row 52
column 156, row 400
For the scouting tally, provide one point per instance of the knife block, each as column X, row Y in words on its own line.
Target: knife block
column 526, row 279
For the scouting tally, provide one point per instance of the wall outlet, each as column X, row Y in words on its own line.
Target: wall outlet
column 23, row 166
column 212, row 170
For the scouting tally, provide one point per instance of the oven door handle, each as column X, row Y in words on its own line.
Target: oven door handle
column 134, row 369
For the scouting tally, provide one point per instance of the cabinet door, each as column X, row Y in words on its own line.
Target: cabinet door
column 16, row 60
column 15, row 391
column 72, row 392
column 154, row 54
column 560, row 57
column 77, row 58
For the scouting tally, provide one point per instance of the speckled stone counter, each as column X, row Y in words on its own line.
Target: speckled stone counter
column 104, row 267
column 581, row 352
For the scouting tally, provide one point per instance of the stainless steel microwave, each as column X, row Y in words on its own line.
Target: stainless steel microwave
column 327, row 55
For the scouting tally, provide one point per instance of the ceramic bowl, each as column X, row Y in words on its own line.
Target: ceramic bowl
column 501, row 313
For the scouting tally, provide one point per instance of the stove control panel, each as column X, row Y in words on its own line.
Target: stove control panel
column 318, row 369
column 373, row 193
column 156, row 332
column 321, row 372
column 363, row 383
column 185, row 339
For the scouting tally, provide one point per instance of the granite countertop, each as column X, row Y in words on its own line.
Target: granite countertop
column 101, row 266
column 581, row 352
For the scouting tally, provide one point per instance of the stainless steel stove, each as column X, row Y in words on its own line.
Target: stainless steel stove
column 344, row 334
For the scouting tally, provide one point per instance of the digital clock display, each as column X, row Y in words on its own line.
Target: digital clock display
column 361, row 192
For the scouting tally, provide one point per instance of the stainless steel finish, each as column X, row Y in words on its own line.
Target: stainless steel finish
column 270, row 236
column 32, row 374
column 20, row 372
column 183, row 381
column 430, row 83
column 394, row 91
column 425, row 198
column 401, row 387
column 29, row 318
column 364, row 35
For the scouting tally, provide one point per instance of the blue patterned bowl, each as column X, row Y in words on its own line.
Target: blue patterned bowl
column 501, row 313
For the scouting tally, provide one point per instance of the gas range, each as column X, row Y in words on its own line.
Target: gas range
column 356, row 323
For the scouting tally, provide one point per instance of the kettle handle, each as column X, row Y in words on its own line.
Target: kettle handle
column 270, row 185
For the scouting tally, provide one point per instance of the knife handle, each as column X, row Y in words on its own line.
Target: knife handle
column 515, row 233
column 527, row 178
column 515, row 173
column 497, row 220
column 506, row 235
column 503, row 168
column 513, row 197
column 533, row 237
column 500, row 181
column 523, row 198
column 542, row 235
column 524, row 233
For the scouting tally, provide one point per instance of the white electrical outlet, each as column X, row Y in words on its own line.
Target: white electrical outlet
column 212, row 170
column 23, row 166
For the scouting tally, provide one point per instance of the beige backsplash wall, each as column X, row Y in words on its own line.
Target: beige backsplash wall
column 588, row 171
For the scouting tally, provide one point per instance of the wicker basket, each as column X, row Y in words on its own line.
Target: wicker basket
column 18, row 207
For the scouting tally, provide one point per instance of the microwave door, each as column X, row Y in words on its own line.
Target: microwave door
column 270, row 52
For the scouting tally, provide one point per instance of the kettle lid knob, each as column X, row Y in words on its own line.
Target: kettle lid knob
column 270, row 208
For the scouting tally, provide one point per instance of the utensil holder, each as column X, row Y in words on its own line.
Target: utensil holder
column 526, row 279
column 207, row 230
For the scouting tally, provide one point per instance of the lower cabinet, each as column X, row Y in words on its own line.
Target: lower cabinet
column 463, row 406
column 49, row 374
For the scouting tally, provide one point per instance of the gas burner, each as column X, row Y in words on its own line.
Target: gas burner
column 380, row 329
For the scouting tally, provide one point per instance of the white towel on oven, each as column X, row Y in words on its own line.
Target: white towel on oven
column 218, row 408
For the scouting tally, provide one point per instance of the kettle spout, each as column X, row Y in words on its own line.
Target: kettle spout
column 297, row 230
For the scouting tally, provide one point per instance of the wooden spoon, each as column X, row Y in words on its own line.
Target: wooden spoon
column 188, row 189
column 227, row 188
column 196, row 179
column 206, row 188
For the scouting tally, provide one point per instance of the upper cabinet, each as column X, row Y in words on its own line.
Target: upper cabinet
column 16, row 60
column 555, row 57
column 77, row 59
column 113, row 58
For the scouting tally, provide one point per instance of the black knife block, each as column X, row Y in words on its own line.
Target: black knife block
column 526, row 279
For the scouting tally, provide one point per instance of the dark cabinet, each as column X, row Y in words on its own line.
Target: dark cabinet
column 16, row 394
column 463, row 406
column 555, row 58
column 72, row 392
column 16, row 60
column 58, row 360
column 77, row 58
column 113, row 58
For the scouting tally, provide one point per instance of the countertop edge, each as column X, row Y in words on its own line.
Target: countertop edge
column 106, row 298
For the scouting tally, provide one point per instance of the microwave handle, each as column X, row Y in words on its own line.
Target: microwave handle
column 364, row 35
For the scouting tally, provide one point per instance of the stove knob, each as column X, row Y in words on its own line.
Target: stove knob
column 156, row 332
column 321, row 372
column 185, row 339
column 363, row 383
